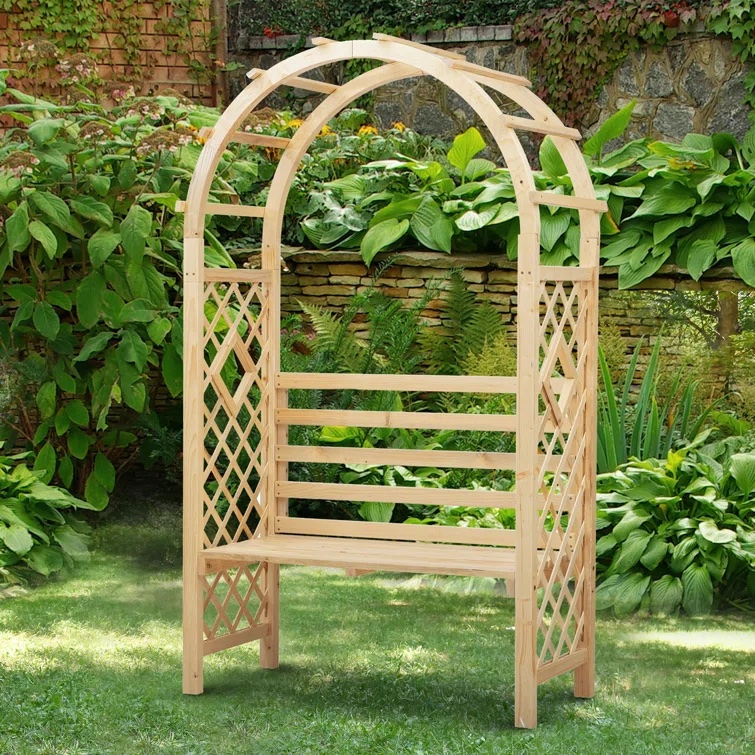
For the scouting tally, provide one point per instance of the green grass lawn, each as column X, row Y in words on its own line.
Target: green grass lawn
column 92, row 664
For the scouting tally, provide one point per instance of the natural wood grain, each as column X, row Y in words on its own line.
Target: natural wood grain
column 300, row 82
column 566, row 200
column 413, row 383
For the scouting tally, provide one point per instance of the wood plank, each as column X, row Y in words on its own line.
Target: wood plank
column 235, row 638
column 541, row 127
column 561, row 665
column 407, row 420
column 563, row 273
column 300, row 82
column 404, row 456
column 407, row 457
column 430, row 533
column 237, row 275
column 438, row 52
column 349, row 553
column 413, row 383
column 260, row 140
column 564, row 200
column 395, row 494
column 319, row 41
column 490, row 73
column 241, row 210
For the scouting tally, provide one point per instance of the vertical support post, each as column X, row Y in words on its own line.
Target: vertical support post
column 193, row 531
column 269, row 645
column 528, row 325
column 584, row 675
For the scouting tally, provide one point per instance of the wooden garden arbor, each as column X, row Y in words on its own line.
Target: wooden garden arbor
column 237, row 530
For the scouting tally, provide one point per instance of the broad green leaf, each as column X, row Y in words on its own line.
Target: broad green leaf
column 465, row 147
column 72, row 542
column 631, row 550
column 630, row 276
column 104, row 472
column 46, row 396
column 59, row 299
column 90, row 208
column 77, row 412
column 45, row 236
column 51, row 206
column 20, row 292
column 44, row 559
column 46, row 320
column 698, row 590
column 709, row 530
column 477, row 168
column 65, row 471
column 339, row 435
column 89, row 299
column 472, row 220
column 605, row 595
column 664, row 203
column 94, row 345
column 654, row 553
column 95, row 494
column 100, row 184
column 665, row 595
column 135, row 229
column 45, row 129
column 742, row 469
column 138, row 310
column 127, row 174
column 46, row 462
column 381, row 236
column 743, row 259
column 17, row 228
column 630, row 589
column 172, row 370
column 78, row 443
column 665, row 228
column 133, row 349
column 16, row 538
column 101, row 245
column 613, row 128
column 62, row 423
column 702, row 256
column 553, row 227
column 158, row 329
column 431, row 227
column 628, row 524
column 551, row 162
column 373, row 511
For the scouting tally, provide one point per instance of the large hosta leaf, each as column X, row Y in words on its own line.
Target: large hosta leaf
column 630, row 589
column 381, row 236
column 666, row 595
column 376, row 512
column 432, row 228
column 465, row 147
column 742, row 468
column 631, row 550
column 698, row 590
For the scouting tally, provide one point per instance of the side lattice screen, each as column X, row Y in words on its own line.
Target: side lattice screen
column 234, row 467
column 562, row 575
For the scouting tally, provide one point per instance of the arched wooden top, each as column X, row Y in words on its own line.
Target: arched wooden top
column 401, row 59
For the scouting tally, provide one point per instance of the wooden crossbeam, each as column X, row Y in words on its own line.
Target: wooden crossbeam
column 241, row 210
column 541, row 127
column 480, row 72
column 417, row 46
column 300, row 82
column 565, row 200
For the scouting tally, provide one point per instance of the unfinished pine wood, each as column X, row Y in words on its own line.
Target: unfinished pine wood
column 236, row 525
column 351, row 553
column 417, row 46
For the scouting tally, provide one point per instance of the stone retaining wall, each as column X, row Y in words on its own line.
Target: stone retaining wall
column 693, row 84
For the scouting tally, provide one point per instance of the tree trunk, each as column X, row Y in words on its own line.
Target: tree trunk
column 728, row 317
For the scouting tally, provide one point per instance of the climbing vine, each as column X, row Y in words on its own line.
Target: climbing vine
column 737, row 20
column 577, row 47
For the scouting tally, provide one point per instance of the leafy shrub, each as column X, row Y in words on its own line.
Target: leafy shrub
column 679, row 532
column 38, row 534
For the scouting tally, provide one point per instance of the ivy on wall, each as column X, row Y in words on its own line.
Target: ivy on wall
column 72, row 26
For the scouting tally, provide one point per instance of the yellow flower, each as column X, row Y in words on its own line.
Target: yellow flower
column 367, row 130
column 399, row 126
column 294, row 123
column 326, row 130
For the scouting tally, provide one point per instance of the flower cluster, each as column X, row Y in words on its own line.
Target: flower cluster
column 121, row 92
column 263, row 117
column 37, row 50
column 19, row 163
column 147, row 108
column 165, row 140
column 94, row 131
column 367, row 131
column 78, row 69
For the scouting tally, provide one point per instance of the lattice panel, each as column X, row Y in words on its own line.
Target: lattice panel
column 234, row 600
column 561, row 434
column 236, row 396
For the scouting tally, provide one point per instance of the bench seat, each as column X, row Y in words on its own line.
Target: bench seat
column 374, row 555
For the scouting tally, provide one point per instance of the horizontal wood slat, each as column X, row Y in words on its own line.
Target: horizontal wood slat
column 561, row 273
column 417, row 46
column 407, row 457
column 489, row 73
column 561, row 665
column 300, row 82
column 390, row 494
column 241, row 210
column 404, row 420
column 353, row 553
column 222, row 274
column 565, row 200
column 414, row 383
column 260, row 140
column 392, row 531
column 233, row 639
column 541, row 127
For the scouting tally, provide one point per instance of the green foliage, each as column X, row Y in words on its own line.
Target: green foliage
column 690, row 204
column 736, row 19
column 577, row 46
column 38, row 534
column 650, row 426
column 678, row 532
column 90, row 251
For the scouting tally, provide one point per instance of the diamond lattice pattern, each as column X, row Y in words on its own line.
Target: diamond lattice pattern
column 235, row 438
column 561, row 435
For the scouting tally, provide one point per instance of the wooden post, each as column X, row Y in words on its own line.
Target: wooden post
column 193, row 530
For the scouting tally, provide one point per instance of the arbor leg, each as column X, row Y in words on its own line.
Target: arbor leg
column 193, row 630
column 269, row 645
column 525, row 676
